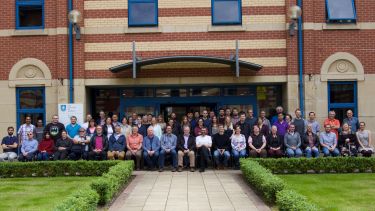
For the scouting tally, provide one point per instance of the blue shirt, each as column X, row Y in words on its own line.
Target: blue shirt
column 151, row 143
column 168, row 141
column 328, row 139
column 29, row 146
column 9, row 140
column 72, row 130
column 353, row 123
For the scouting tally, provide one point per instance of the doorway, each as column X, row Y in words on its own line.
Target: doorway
column 182, row 109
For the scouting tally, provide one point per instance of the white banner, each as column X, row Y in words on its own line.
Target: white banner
column 68, row 110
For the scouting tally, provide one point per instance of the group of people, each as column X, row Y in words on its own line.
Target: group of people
column 223, row 138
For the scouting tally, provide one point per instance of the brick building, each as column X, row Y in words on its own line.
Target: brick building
column 185, row 52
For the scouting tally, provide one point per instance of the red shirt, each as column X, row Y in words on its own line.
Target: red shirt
column 333, row 122
column 46, row 145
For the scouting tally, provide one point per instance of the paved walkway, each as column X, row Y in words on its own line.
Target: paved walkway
column 180, row 191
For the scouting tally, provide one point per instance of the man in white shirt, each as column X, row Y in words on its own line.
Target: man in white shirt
column 86, row 124
column 204, row 143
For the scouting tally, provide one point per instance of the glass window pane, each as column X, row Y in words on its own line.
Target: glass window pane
column 340, row 9
column 268, row 98
column 171, row 93
column 342, row 93
column 237, row 91
column 107, row 100
column 142, row 13
column 138, row 92
column 30, row 16
column 226, row 12
column 205, row 92
column 29, row 99
column 140, row 110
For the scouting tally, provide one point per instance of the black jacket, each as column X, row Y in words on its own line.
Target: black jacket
column 67, row 143
column 105, row 142
column 105, row 129
column 221, row 142
column 245, row 129
column 274, row 142
column 181, row 142
column 305, row 141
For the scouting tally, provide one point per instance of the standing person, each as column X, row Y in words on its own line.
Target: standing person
column 274, row 144
column 238, row 143
column 351, row 121
column 211, row 114
column 347, row 142
column 62, row 147
column 86, row 124
column 264, row 129
column 9, row 145
column 25, row 129
column 214, row 126
column 299, row 122
column 98, row 145
column 108, row 127
column 73, row 127
column 116, row 145
column 54, row 128
column 184, row 123
column 143, row 126
column 292, row 142
column 126, row 129
column 279, row 110
column 161, row 123
column 245, row 128
column 250, row 119
column 328, row 141
column 334, row 123
column 134, row 146
column 262, row 116
column 186, row 146
column 175, row 127
column 91, row 130
column 151, row 148
column 288, row 119
column 194, row 122
column 257, row 144
column 157, row 129
column 282, row 125
column 29, row 148
column 80, row 146
column 206, row 120
column 310, row 143
column 235, row 116
column 199, row 127
column 39, row 130
column 228, row 112
column 221, row 147
column 204, row 143
column 101, row 120
column 364, row 140
column 46, row 147
column 168, row 144
column 228, row 126
column 315, row 126
column 115, row 121
column 221, row 118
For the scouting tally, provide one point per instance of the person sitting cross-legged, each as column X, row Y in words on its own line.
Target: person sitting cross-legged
column 29, row 148
column 257, row 143
column 168, row 143
column 238, row 142
column 204, row 143
column 221, row 145
column 186, row 146
column 292, row 142
column 151, row 148
column 116, row 146
column 9, row 145
column 328, row 141
column 63, row 146
column 310, row 143
column 98, row 145
column 46, row 147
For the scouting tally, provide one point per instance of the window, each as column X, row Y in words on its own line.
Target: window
column 341, row 11
column 268, row 98
column 29, row 14
column 30, row 102
column 342, row 96
column 204, row 92
column 226, row 12
column 142, row 12
column 171, row 93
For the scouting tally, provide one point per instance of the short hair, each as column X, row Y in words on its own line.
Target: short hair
column 73, row 117
column 297, row 110
column 362, row 123
column 150, row 128
column 186, row 126
column 311, row 112
column 10, row 127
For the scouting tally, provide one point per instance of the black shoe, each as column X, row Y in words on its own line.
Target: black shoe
column 201, row 170
column 161, row 169
column 173, row 169
column 192, row 169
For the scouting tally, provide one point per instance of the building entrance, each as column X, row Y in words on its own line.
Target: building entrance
column 182, row 109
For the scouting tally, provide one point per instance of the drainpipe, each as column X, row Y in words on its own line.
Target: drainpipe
column 70, row 56
column 300, row 63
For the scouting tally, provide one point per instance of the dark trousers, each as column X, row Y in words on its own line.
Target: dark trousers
column 162, row 154
column 98, row 155
column 28, row 157
column 366, row 153
column 60, row 155
column 78, row 154
column 204, row 154
column 43, row 156
column 151, row 160
column 275, row 153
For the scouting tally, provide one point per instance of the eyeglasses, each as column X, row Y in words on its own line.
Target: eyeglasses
column 81, row 131
column 30, row 134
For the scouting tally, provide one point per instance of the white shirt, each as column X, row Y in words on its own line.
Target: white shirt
column 85, row 125
column 203, row 140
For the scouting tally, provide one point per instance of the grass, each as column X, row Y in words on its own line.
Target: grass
column 37, row 193
column 336, row 191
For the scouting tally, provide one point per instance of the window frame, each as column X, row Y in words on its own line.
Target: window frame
column 354, row 104
column 339, row 20
column 20, row 111
column 215, row 23
column 156, row 17
column 29, row 3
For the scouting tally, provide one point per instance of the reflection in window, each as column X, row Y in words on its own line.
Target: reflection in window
column 30, row 102
column 29, row 14
column 342, row 93
column 140, row 110
column 30, row 99
column 107, row 100
column 237, row 91
column 226, row 12
column 171, row 93
column 143, row 13
column 205, row 92
column 268, row 98
column 138, row 92
column 340, row 10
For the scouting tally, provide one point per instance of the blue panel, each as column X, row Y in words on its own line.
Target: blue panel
column 226, row 12
column 340, row 10
column 24, row 10
column 143, row 13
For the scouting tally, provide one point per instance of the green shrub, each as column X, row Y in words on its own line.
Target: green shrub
column 84, row 199
column 112, row 181
column 262, row 179
column 290, row 200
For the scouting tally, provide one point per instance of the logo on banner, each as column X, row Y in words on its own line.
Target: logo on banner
column 63, row 107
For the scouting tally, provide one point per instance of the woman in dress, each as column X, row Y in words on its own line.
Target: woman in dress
column 364, row 140
column 214, row 126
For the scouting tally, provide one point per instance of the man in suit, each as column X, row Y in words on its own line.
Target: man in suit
column 186, row 147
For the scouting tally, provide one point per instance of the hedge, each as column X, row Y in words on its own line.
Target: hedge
column 288, row 199
column 84, row 199
column 318, row 165
column 55, row 168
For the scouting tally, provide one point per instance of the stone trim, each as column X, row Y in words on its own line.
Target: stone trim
column 351, row 59
column 30, row 79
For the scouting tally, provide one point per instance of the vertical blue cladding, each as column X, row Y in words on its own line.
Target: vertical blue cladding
column 226, row 12
column 341, row 10
column 142, row 12
column 71, row 85
column 300, row 63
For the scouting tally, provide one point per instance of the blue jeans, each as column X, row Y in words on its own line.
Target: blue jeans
column 221, row 157
column 333, row 153
column 237, row 155
column 294, row 153
column 162, row 158
column 312, row 152
column 151, row 161
column 43, row 156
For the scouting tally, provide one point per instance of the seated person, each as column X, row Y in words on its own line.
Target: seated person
column 46, row 147
column 63, row 146
column 310, row 143
column 151, row 148
column 168, row 143
column 9, row 145
column 116, row 148
column 257, row 143
column 275, row 143
column 292, row 142
column 347, row 142
column 80, row 146
column 221, row 145
column 204, row 143
column 328, row 141
column 134, row 144
column 186, row 147
column 29, row 148
column 364, row 140
column 98, row 145
column 238, row 143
